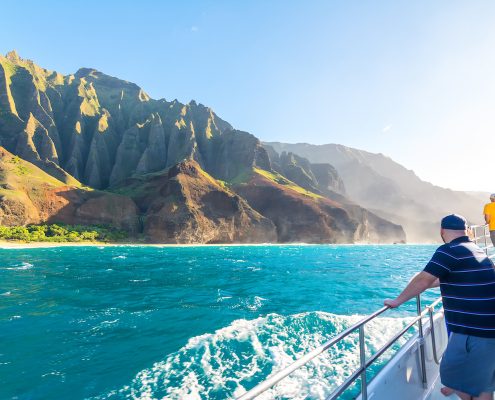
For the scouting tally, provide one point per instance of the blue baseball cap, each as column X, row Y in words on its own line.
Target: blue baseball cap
column 455, row 222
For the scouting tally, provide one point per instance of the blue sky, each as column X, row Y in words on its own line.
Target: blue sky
column 414, row 80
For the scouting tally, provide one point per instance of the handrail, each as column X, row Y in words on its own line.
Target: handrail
column 361, row 371
column 433, row 340
column 485, row 234
column 338, row 391
column 478, row 226
column 267, row 384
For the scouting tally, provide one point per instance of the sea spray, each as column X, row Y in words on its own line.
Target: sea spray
column 226, row 363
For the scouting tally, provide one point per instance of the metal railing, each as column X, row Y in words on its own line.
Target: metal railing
column 364, row 363
column 431, row 311
column 480, row 234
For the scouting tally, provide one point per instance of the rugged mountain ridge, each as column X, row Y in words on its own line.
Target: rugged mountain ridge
column 304, row 216
column 101, row 130
column 189, row 176
column 388, row 189
column 320, row 178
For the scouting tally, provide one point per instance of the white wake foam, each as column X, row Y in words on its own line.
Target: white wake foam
column 21, row 267
column 226, row 363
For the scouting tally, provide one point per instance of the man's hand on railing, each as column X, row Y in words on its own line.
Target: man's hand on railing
column 421, row 281
column 392, row 303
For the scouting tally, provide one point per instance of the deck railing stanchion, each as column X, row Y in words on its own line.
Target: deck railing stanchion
column 486, row 233
column 421, row 342
column 433, row 338
column 362, row 357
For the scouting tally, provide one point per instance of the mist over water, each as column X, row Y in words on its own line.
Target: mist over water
column 190, row 322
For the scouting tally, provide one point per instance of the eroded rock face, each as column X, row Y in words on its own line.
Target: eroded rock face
column 315, row 219
column 319, row 178
column 30, row 196
column 101, row 130
column 235, row 153
column 109, row 209
column 186, row 205
column 329, row 180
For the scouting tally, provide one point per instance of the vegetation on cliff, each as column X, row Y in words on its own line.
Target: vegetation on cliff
column 62, row 233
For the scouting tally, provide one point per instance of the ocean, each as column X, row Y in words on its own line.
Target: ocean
column 205, row 322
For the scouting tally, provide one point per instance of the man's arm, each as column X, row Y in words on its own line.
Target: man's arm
column 487, row 218
column 417, row 285
column 436, row 283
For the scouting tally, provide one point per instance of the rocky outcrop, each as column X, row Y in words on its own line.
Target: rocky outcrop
column 329, row 180
column 298, row 170
column 302, row 216
column 186, row 205
column 30, row 196
column 320, row 178
column 235, row 153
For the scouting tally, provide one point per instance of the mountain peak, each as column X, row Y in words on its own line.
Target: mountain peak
column 13, row 56
column 102, row 79
column 85, row 72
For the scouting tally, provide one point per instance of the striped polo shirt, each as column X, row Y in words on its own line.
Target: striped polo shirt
column 467, row 284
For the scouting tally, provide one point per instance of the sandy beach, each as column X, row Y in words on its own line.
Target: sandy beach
column 40, row 245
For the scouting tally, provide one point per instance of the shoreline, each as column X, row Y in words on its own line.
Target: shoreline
column 10, row 245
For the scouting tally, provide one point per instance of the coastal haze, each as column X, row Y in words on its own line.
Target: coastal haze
column 388, row 189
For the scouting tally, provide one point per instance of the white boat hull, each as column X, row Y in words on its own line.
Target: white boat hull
column 401, row 377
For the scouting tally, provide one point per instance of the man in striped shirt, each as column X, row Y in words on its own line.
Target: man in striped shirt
column 467, row 283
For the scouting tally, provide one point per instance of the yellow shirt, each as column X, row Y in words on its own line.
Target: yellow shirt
column 490, row 210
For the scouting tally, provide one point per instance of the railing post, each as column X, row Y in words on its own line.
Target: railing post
column 433, row 339
column 421, row 343
column 362, row 357
column 486, row 233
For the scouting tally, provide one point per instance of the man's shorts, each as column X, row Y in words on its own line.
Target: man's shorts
column 492, row 236
column 468, row 364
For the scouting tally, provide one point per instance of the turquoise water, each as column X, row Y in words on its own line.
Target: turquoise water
column 190, row 322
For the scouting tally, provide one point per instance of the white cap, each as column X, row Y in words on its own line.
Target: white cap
column 492, row 196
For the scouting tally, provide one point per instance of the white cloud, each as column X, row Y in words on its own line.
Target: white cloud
column 387, row 128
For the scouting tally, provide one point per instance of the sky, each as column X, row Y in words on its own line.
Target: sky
column 414, row 80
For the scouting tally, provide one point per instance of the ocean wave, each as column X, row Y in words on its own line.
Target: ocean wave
column 21, row 267
column 232, row 360
column 250, row 303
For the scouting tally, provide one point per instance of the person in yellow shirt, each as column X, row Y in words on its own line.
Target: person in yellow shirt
column 489, row 212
